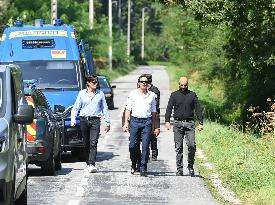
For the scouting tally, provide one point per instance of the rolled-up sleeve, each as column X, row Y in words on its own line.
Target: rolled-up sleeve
column 105, row 110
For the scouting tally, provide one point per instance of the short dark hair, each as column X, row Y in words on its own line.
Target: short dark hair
column 92, row 78
column 142, row 76
column 149, row 77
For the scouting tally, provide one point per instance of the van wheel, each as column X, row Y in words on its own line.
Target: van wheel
column 74, row 152
column 22, row 200
column 48, row 167
column 82, row 154
column 58, row 165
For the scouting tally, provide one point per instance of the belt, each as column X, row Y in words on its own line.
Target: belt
column 182, row 120
column 89, row 118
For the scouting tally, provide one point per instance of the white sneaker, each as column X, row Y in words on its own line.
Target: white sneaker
column 88, row 168
column 92, row 169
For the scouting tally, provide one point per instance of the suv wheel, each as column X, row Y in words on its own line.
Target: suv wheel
column 48, row 167
column 57, row 160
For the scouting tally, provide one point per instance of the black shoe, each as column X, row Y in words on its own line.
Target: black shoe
column 133, row 170
column 143, row 174
column 179, row 173
column 154, row 158
column 191, row 171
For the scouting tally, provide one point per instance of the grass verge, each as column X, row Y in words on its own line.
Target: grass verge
column 245, row 164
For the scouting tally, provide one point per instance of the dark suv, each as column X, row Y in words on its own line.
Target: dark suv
column 14, row 114
column 43, row 135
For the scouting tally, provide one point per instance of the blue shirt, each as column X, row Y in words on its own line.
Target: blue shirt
column 90, row 106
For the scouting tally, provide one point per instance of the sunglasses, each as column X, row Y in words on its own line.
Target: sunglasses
column 143, row 81
column 93, row 81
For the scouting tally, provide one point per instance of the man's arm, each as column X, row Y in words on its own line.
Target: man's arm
column 168, row 112
column 198, row 112
column 75, row 110
column 126, row 121
column 105, row 113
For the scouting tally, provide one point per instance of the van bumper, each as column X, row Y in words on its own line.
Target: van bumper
column 71, row 138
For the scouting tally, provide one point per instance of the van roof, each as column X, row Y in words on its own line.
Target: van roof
column 45, row 42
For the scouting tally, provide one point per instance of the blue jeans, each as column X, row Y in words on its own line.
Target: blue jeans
column 140, row 127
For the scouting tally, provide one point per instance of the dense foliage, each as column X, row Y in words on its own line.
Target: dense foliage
column 237, row 47
column 227, row 41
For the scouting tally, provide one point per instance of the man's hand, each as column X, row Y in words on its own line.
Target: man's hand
column 126, row 127
column 156, row 132
column 107, row 128
column 168, row 125
column 200, row 127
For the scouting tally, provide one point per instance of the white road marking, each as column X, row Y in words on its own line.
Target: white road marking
column 84, row 181
column 80, row 191
column 73, row 202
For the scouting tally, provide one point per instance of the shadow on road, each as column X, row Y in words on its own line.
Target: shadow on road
column 37, row 171
column 102, row 156
column 171, row 174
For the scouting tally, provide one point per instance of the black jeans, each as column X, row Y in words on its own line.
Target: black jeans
column 187, row 130
column 90, row 130
column 154, row 145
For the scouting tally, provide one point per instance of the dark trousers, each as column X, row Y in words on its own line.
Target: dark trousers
column 143, row 127
column 154, row 146
column 187, row 130
column 90, row 130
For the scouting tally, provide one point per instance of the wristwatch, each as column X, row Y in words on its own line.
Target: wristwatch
column 200, row 123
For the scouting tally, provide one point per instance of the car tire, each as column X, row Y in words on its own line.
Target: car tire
column 48, row 167
column 82, row 154
column 58, row 164
column 12, row 198
column 111, row 106
column 22, row 200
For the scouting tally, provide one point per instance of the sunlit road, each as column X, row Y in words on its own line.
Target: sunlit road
column 113, row 184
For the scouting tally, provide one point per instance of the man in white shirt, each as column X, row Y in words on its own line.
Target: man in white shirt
column 141, row 104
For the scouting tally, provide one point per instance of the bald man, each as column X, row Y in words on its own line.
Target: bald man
column 184, row 102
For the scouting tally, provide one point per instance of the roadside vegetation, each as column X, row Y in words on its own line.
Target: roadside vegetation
column 245, row 163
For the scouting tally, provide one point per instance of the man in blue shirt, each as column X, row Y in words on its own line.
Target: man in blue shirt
column 91, row 105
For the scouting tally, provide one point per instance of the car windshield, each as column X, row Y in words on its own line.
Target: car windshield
column 103, row 83
column 50, row 74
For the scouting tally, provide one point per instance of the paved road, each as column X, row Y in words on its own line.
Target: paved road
column 113, row 184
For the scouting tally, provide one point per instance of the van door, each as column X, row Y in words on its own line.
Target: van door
column 19, row 131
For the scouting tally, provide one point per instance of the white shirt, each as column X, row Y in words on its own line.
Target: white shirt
column 141, row 105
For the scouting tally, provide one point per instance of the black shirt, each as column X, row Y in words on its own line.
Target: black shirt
column 184, row 103
column 155, row 90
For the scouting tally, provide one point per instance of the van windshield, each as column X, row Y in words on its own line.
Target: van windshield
column 51, row 74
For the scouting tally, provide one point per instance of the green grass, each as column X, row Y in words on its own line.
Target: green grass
column 246, row 164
